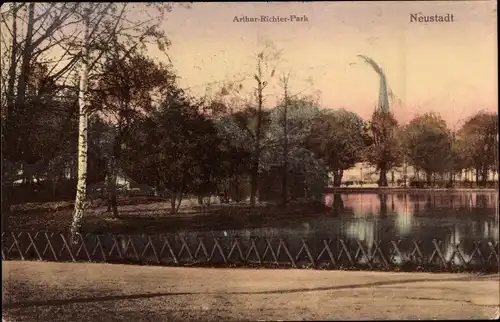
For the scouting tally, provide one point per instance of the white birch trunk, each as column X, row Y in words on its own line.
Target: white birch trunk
column 81, row 187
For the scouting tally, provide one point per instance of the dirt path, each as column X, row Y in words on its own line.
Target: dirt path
column 35, row 291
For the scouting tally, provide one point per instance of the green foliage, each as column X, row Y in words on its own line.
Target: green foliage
column 39, row 90
column 247, row 119
column 479, row 143
column 428, row 144
column 101, row 136
column 383, row 139
column 337, row 138
column 181, row 145
column 301, row 113
column 180, row 149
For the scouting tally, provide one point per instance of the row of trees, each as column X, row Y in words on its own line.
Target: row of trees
column 425, row 143
column 179, row 149
column 108, row 107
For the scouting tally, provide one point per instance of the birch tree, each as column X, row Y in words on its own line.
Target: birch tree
column 130, row 35
column 29, row 33
column 81, row 187
column 47, row 34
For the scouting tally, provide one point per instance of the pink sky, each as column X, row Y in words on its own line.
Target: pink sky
column 450, row 68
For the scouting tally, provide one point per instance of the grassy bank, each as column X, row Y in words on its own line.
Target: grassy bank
column 145, row 215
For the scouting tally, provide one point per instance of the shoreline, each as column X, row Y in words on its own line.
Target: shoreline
column 399, row 189
column 140, row 215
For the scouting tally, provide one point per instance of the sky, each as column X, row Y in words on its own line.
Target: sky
column 449, row 68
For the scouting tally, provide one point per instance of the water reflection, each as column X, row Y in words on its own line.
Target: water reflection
column 338, row 204
column 447, row 216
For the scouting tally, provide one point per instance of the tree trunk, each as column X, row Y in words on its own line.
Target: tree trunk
column 284, row 178
column 256, row 157
column 337, row 177
column 13, row 64
column 485, row 177
column 8, row 146
column 111, row 187
column 254, row 183
column 6, row 197
column 382, row 180
column 236, row 184
column 405, row 174
column 428, row 176
column 112, row 171
column 27, row 55
column 284, row 185
column 179, row 197
column 82, row 138
column 173, row 201
column 338, row 204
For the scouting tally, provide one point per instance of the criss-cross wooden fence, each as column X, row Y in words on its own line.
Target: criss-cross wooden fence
column 216, row 249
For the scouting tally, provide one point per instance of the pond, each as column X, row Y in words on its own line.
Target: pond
column 398, row 224
column 450, row 217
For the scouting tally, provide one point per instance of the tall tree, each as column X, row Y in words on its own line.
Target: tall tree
column 30, row 31
column 458, row 159
column 291, row 122
column 81, row 187
column 113, row 28
column 124, row 91
column 428, row 144
column 262, row 76
column 383, row 125
column 383, row 145
column 338, row 140
column 36, row 34
column 480, row 144
column 187, row 150
column 286, row 99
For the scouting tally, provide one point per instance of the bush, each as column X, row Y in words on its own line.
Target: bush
column 348, row 183
column 418, row 184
